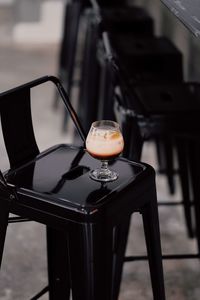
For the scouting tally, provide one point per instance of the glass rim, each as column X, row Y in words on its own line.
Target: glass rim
column 112, row 123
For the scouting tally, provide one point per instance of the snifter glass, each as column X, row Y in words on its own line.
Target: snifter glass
column 104, row 142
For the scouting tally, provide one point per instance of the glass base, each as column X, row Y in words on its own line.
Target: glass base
column 103, row 176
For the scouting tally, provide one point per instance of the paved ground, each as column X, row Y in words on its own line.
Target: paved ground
column 23, row 270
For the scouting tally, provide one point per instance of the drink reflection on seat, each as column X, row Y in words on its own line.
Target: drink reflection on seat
column 74, row 172
column 98, row 194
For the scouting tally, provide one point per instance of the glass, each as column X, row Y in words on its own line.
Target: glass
column 104, row 142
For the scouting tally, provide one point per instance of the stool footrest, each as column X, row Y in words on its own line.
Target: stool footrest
column 162, row 203
column 41, row 293
column 168, row 256
column 165, row 171
column 174, row 203
column 18, row 219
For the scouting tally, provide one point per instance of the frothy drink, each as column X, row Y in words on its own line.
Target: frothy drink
column 104, row 143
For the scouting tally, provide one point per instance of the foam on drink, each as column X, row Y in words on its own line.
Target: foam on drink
column 104, row 142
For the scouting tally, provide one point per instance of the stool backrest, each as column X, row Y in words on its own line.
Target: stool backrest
column 17, row 127
column 16, row 120
column 69, row 40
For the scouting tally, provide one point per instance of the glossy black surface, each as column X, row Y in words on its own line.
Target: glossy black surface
column 53, row 176
column 146, row 59
column 169, row 98
column 127, row 19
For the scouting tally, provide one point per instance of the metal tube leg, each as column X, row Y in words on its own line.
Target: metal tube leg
column 3, row 228
column 194, row 163
column 58, row 266
column 120, row 241
column 182, row 153
column 164, row 149
column 91, row 260
column 168, row 151
column 152, row 236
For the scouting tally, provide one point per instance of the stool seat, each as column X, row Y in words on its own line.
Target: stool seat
column 51, row 178
column 126, row 19
column 165, row 108
column 147, row 59
column 168, row 98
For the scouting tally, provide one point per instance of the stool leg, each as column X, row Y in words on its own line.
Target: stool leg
column 164, row 149
column 4, row 212
column 91, row 260
column 159, row 153
column 168, row 152
column 133, row 140
column 120, row 241
column 194, row 163
column 152, row 236
column 58, row 266
column 183, row 157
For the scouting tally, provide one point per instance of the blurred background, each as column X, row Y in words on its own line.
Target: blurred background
column 30, row 37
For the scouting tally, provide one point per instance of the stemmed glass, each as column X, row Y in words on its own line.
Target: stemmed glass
column 104, row 142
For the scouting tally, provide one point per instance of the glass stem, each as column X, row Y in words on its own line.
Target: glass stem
column 104, row 166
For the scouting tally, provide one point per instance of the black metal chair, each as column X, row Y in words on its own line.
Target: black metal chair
column 68, row 47
column 74, row 11
column 85, row 220
column 166, row 111
column 146, row 57
column 142, row 58
column 145, row 60
column 117, row 20
column 71, row 25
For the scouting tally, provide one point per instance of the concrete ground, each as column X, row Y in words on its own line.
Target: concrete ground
column 23, row 270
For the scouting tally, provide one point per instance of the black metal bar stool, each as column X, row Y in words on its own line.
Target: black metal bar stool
column 68, row 48
column 116, row 19
column 126, row 106
column 149, row 59
column 82, row 215
column 163, row 110
column 172, row 110
column 74, row 11
column 142, row 60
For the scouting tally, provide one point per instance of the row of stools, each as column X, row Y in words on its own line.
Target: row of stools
column 144, row 62
column 129, row 74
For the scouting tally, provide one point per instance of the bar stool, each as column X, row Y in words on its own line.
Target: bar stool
column 71, row 25
column 85, row 247
column 74, row 12
column 128, row 78
column 134, row 20
column 149, row 59
column 163, row 110
column 173, row 110
column 142, row 59
column 68, row 47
